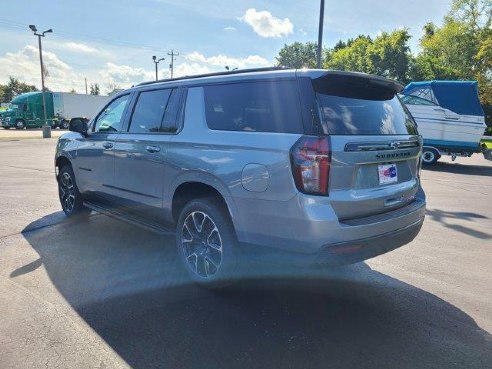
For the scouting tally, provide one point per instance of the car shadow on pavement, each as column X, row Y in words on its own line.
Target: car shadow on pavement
column 126, row 284
column 443, row 217
column 457, row 168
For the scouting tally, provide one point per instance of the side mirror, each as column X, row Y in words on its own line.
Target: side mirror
column 79, row 125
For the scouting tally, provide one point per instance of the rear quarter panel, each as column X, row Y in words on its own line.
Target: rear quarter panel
column 220, row 158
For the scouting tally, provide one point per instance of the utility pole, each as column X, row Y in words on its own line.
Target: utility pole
column 46, row 126
column 320, row 33
column 171, row 66
column 156, row 61
column 86, row 85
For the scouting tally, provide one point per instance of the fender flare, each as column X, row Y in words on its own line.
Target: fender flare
column 204, row 178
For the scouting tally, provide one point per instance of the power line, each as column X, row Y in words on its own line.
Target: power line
column 4, row 23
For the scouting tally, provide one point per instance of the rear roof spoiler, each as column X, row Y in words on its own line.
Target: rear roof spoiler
column 362, row 79
column 357, row 85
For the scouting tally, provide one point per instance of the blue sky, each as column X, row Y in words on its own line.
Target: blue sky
column 112, row 42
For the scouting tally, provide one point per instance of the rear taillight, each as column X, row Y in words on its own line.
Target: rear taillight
column 310, row 158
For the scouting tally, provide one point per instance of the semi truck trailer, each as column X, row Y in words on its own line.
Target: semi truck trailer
column 26, row 110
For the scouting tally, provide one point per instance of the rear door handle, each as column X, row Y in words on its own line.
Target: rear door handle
column 153, row 149
column 108, row 145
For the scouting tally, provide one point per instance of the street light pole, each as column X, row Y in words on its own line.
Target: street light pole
column 156, row 61
column 320, row 33
column 46, row 126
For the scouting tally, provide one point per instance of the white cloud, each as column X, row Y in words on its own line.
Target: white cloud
column 76, row 47
column 188, row 69
column 223, row 60
column 266, row 25
column 125, row 75
column 24, row 65
column 195, row 56
column 229, row 28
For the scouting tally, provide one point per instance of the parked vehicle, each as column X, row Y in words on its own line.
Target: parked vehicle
column 26, row 110
column 486, row 143
column 449, row 117
column 319, row 166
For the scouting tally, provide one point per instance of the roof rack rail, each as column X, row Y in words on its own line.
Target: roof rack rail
column 226, row 73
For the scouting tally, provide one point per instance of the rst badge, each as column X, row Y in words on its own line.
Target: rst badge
column 388, row 173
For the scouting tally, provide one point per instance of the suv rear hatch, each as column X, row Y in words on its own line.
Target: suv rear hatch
column 373, row 141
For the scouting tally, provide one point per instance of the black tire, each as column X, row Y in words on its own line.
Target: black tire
column 69, row 195
column 430, row 156
column 6, row 127
column 19, row 124
column 64, row 124
column 207, row 246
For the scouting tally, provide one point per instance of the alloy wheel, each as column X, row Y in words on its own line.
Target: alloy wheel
column 202, row 244
column 67, row 192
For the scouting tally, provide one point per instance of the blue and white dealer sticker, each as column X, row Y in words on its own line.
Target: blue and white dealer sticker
column 388, row 173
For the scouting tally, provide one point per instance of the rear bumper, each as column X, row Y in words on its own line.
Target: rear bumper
column 307, row 231
column 359, row 250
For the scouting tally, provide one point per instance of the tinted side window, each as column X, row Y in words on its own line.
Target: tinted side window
column 169, row 122
column 149, row 111
column 111, row 118
column 269, row 106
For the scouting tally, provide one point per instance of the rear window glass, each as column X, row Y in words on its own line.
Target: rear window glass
column 270, row 106
column 353, row 116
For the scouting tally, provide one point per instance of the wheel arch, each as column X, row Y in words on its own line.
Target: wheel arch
column 60, row 162
column 189, row 189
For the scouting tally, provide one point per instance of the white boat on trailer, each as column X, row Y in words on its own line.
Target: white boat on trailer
column 449, row 117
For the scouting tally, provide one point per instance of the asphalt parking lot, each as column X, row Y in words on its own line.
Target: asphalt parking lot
column 103, row 294
column 13, row 134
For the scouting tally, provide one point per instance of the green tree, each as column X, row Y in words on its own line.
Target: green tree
column 453, row 48
column 112, row 88
column 426, row 67
column 387, row 55
column 353, row 57
column 95, row 89
column 461, row 49
column 2, row 92
column 429, row 30
column 13, row 88
column 390, row 55
column 298, row 55
column 475, row 14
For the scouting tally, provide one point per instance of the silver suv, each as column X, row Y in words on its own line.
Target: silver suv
column 320, row 166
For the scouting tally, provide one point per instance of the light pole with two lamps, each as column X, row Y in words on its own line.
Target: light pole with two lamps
column 46, row 126
column 156, row 61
